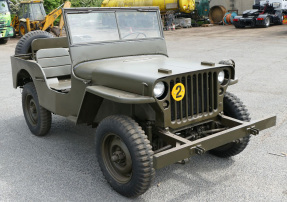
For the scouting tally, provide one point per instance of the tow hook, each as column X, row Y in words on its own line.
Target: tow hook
column 253, row 131
column 199, row 150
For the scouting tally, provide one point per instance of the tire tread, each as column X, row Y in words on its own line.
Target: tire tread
column 237, row 110
column 143, row 154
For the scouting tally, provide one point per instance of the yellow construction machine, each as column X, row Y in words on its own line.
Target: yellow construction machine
column 32, row 16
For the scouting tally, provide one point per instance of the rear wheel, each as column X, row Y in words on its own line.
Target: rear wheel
column 125, row 155
column 23, row 28
column 234, row 108
column 281, row 19
column 37, row 118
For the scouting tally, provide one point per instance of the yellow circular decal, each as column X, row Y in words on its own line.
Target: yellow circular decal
column 178, row 92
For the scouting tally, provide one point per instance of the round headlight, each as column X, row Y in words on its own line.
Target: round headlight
column 221, row 77
column 159, row 89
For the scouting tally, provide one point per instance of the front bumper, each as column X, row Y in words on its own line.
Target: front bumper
column 252, row 22
column 183, row 148
column 245, row 22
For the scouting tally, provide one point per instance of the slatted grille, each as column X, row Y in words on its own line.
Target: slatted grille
column 2, row 24
column 200, row 96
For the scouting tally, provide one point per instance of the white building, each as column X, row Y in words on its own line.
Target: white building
column 240, row 5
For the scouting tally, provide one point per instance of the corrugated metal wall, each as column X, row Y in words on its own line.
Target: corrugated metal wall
column 240, row 5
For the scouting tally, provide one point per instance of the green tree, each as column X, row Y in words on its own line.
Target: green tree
column 86, row 3
column 50, row 5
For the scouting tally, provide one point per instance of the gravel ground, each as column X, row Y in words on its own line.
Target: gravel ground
column 62, row 166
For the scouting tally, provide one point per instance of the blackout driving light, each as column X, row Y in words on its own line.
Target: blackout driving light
column 159, row 89
column 221, row 77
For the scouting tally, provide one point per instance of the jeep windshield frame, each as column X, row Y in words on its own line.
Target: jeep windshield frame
column 98, row 25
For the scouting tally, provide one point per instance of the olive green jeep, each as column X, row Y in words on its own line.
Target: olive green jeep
column 112, row 72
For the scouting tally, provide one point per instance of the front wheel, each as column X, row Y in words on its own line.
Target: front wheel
column 125, row 155
column 37, row 118
column 234, row 108
column 23, row 28
column 3, row 40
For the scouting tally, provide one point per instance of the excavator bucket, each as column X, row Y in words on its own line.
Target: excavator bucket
column 51, row 17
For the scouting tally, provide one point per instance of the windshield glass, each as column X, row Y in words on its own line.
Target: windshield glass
column 3, row 7
column 112, row 26
column 38, row 11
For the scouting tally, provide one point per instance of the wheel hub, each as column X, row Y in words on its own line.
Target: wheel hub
column 32, row 110
column 117, row 158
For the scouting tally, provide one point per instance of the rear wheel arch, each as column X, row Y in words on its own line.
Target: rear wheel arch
column 23, row 77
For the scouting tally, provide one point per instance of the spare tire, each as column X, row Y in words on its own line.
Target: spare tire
column 24, row 44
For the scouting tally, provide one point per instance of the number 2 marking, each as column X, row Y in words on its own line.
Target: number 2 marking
column 178, row 88
column 178, row 92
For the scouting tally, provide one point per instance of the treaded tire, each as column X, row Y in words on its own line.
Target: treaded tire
column 234, row 108
column 24, row 44
column 140, row 152
column 37, row 118
column 267, row 22
column 280, row 17
column 3, row 41
column 23, row 26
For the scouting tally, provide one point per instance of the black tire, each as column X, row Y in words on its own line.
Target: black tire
column 3, row 40
column 24, row 44
column 23, row 28
column 234, row 108
column 238, row 26
column 14, row 33
column 281, row 19
column 132, row 175
column 37, row 118
column 267, row 22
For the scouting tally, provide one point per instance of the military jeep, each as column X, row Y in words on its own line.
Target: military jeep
column 112, row 72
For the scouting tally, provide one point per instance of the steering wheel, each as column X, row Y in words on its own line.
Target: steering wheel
column 138, row 34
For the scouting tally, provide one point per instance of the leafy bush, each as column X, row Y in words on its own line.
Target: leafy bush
column 52, row 4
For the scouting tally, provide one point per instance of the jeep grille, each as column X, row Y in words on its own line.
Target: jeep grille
column 200, row 98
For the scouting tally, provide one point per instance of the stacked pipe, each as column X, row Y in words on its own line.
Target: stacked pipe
column 228, row 18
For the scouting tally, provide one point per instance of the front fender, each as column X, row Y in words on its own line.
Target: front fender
column 119, row 96
column 96, row 95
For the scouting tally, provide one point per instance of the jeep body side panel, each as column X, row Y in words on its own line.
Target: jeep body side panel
column 64, row 104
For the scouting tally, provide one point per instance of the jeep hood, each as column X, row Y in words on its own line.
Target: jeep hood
column 133, row 73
